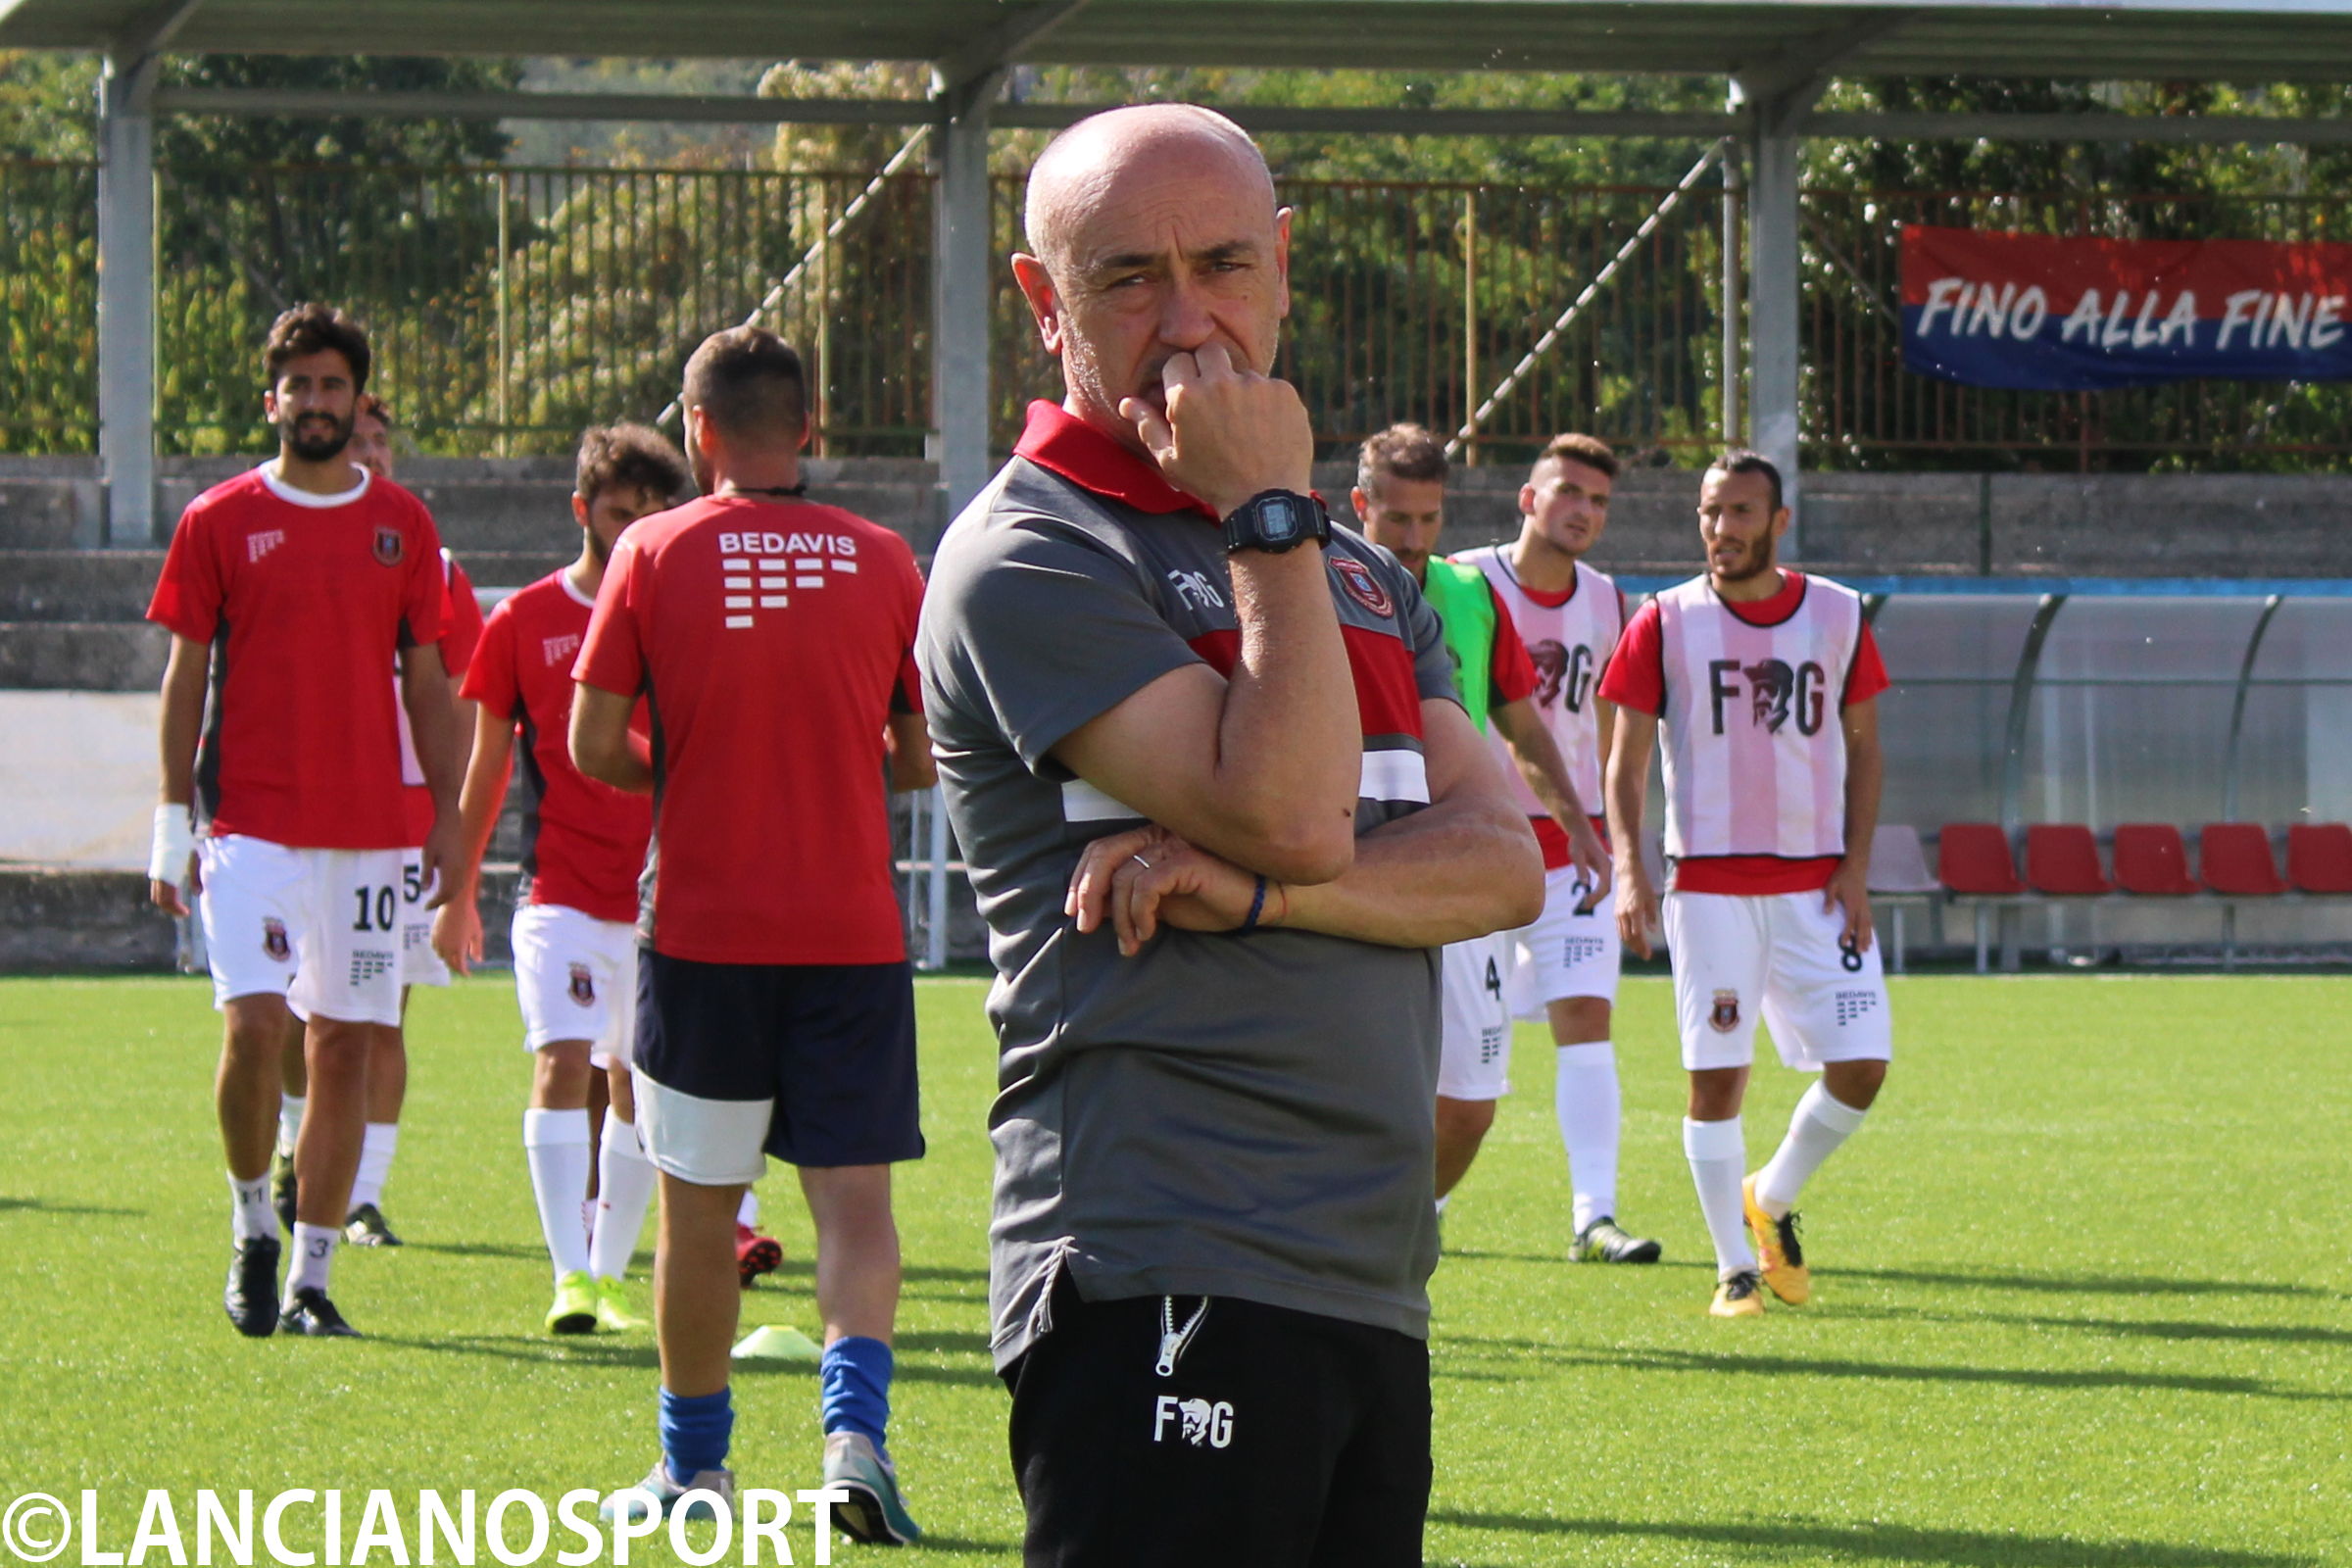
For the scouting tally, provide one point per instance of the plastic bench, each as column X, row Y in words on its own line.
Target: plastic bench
column 2151, row 860
column 1975, row 863
column 2062, row 862
column 1898, row 873
column 2235, row 861
column 2318, row 858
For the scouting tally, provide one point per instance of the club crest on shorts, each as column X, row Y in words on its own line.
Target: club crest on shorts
column 274, row 940
column 1363, row 587
column 390, row 546
column 1726, row 1016
column 583, row 985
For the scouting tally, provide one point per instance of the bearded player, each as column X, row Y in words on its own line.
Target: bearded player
column 1570, row 615
column 1764, row 681
column 1399, row 498
column 372, row 448
column 287, row 590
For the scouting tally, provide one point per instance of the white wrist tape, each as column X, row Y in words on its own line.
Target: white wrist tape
column 174, row 842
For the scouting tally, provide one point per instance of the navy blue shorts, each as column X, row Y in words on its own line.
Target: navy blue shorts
column 827, row 1049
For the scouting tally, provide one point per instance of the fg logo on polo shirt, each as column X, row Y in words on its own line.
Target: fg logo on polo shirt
column 760, row 570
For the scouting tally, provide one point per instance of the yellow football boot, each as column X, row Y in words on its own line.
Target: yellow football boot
column 1777, row 1246
column 1737, row 1297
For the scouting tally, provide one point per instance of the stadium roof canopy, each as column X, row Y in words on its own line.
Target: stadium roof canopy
column 1776, row 57
column 2151, row 39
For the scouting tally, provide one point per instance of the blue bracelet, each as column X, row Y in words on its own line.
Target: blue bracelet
column 1258, row 906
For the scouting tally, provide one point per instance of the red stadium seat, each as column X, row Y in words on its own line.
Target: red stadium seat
column 2319, row 856
column 2152, row 859
column 2062, row 859
column 2234, row 859
column 1973, row 859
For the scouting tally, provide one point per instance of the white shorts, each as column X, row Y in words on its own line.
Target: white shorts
column 575, row 977
column 419, row 964
column 1780, row 955
column 1564, row 954
column 319, row 927
column 1474, row 1041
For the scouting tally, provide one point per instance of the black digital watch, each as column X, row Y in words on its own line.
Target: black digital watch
column 1275, row 521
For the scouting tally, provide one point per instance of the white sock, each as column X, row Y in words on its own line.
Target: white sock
column 1584, row 1096
column 250, row 1214
column 556, row 1143
column 1718, row 1152
column 313, row 1255
column 1822, row 1122
column 289, row 1122
column 624, row 1186
column 375, row 1162
column 746, row 1213
column 1441, row 1206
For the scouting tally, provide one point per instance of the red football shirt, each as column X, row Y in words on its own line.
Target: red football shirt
column 1635, row 678
column 306, row 600
column 583, row 841
column 461, row 630
column 773, row 640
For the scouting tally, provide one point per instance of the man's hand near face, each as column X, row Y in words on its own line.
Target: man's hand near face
column 1229, row 432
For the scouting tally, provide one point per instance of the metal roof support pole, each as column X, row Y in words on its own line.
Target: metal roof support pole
column 959, row 389
column 126, row 300
column 1773, row 388
column 960, row 291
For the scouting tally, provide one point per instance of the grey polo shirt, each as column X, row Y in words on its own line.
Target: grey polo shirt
column 1223, row 1114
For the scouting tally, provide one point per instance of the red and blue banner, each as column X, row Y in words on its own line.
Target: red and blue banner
column 2044, row 313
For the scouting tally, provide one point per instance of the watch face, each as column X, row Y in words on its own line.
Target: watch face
column 1278, row 519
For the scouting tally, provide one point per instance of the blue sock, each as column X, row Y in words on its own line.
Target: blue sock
column 694, row 1432
column 853, row 1388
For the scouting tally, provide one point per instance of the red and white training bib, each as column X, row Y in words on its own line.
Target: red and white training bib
column 1755, row 753
column 1569, row 637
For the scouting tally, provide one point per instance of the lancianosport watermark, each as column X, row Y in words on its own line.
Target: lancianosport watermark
column 405, row 1530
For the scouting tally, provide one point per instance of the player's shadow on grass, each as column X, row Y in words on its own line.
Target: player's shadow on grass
column 50, row 1206
column 1798, row 1366
column 1479, row 1254
column 1665, row 1359
column 1894, row 1542
column 533, row 1251
column 2125, row 1328
column 2084, row 1284
column 637, row 1351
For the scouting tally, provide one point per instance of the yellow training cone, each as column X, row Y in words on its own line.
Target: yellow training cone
column 773, row 1341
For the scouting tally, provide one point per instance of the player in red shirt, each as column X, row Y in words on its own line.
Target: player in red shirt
column 575, row 953
column 286, row 590
column 773, row 640
column 372, row 448
column 1765, row 683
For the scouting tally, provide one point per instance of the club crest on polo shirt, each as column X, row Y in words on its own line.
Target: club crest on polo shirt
column 1726, row 1016
column 261, row 541
column 390, row 546
column 583, row 985
column 274, row 940
column 1363, row 586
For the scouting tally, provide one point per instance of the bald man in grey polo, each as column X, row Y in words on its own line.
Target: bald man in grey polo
column 1224, row 1114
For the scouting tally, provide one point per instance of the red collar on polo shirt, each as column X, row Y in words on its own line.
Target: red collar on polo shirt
column 1060, row 442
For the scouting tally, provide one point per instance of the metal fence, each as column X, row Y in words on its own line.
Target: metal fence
column 512, row 306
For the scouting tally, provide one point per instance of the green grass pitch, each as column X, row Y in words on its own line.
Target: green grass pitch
column 2082, row 1298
